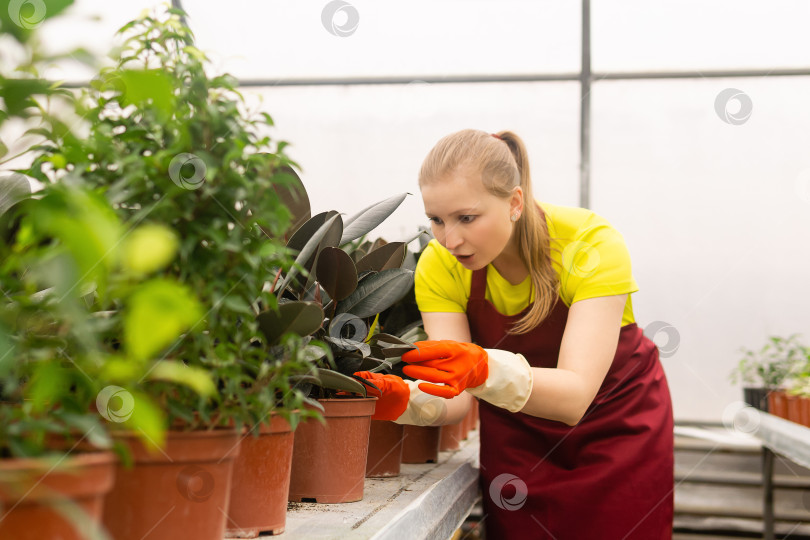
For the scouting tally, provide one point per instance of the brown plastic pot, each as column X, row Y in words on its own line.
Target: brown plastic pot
column 777, row 403
column 261, row 481
column 452, row 435
column 804, row 411
column 384, row 449
column 420, row 444
column 793, row 408
column 180, row 491
column 329, row 461
column 35, row 496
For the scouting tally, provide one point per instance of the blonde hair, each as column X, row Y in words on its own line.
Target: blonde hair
column 503, row 164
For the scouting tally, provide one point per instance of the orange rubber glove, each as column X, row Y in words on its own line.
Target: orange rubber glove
column 455, row 364
column 393, row 398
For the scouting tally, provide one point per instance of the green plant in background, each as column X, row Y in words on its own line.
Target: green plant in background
column 775, row 363
column 172, row 147
column 335, row 293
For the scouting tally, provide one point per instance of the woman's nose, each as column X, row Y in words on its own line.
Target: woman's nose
column 452, row 238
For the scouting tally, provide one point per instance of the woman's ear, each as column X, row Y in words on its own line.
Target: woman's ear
column 516, row 201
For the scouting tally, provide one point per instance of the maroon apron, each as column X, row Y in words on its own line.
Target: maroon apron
column 609, row 477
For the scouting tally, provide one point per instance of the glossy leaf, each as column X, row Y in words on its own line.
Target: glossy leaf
column 377, row 292
column 337, row 381
column 336, row 272
column 383, row 258
column 367, row 219
column 311, row 244
column 301, row 318
column 13, row 189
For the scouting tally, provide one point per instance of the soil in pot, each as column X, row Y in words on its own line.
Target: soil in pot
column 39, row 501
column 329, row 460
column 261, row 481
column 180, row 491
column 384, row 449
column 420, row 444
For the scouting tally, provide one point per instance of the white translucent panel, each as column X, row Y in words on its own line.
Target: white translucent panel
column 88, row 24
column 289, row 39
column 361, row 144
column 667, row 35
column 716, row 213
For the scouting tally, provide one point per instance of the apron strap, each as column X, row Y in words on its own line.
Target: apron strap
column 478, row 288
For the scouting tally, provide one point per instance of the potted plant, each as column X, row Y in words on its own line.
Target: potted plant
column 170, row 145
column 340, row 291
column 765, row 371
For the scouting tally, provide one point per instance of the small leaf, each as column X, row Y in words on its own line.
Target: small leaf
column 195, row 378
column 148, row 248
column 309, row 249
column 337, row 381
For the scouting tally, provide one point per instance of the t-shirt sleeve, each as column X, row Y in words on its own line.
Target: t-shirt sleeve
column 597, row 263
column 438, row 287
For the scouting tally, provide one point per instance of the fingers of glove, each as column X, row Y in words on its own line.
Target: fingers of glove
column 430, row 350
column 427, row 373
column 446, row 392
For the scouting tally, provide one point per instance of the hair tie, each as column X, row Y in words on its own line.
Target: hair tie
column 496, row 136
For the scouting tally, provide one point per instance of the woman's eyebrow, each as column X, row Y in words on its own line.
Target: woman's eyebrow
column 460, row 211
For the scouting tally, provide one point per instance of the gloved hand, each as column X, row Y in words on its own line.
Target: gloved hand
column 393, row 395
column 457, row 365
column 500, row 377
column 403, row 402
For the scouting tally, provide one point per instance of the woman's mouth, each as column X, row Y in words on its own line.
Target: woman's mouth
column 463, row 258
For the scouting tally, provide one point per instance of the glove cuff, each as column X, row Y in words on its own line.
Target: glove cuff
column 509, row 383
column 423, row 409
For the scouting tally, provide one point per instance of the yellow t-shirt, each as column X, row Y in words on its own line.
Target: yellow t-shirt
column 588, row 254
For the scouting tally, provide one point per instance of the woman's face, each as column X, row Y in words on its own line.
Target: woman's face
column 473, row 224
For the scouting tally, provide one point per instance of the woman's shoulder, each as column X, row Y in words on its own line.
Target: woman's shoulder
column 568, row 223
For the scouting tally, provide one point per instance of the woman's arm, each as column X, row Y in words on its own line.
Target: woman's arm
column 588, row 346
column 456, row 327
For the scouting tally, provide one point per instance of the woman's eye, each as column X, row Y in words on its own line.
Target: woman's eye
column 436, row 220
column 467, row 219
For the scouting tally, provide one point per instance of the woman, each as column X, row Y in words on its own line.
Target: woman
column 576, row 416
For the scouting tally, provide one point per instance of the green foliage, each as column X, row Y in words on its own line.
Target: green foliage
column 774, row 364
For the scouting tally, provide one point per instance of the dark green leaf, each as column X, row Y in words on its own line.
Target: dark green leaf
column 302, row 318
column 367, row 219
column 377, row 293
column 336, row 273
column 337, row 381
column 383, row 258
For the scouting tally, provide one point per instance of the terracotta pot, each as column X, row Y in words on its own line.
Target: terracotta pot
column 777, row 403
column 384, row 449
column 180, row 491
column 261, row 481
column 451, row 435
column 329, row 461
column 420, row 444
column 804, row 411
column 34, row 495
column 793, row 408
